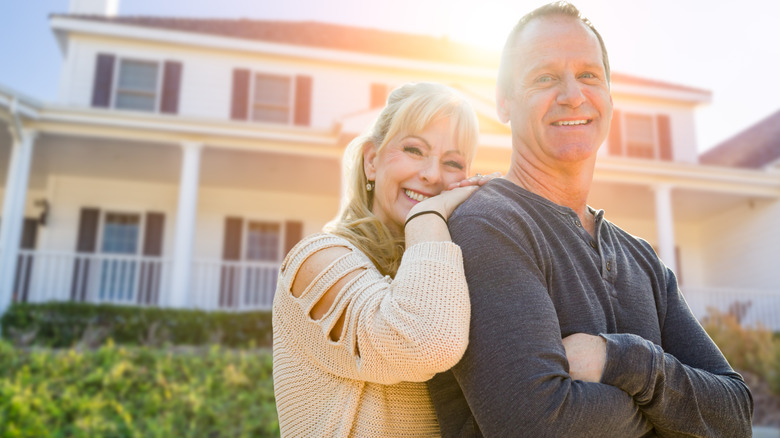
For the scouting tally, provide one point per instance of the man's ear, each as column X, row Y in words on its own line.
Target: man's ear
column 369, row 160
column 502, row 106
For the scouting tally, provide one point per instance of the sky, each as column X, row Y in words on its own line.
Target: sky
column 730, row 48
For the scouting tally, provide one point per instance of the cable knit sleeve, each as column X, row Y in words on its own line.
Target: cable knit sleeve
column 402, row 329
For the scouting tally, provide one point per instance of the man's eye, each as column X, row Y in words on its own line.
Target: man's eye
column 588, row 75
column 545, row 78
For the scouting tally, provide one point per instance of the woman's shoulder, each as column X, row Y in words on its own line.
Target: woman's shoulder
column 317, row 243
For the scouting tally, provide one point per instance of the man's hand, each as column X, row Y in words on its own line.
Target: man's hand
column 587, row 355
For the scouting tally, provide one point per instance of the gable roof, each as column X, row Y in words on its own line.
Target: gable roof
column 755, row 147
column 317, row 34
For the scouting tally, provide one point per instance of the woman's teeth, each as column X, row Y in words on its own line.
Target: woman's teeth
column 416, row 196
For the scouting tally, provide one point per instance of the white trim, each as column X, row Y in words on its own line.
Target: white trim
column 193, row 39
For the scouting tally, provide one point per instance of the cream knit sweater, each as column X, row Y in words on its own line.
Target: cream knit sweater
column 397, row 334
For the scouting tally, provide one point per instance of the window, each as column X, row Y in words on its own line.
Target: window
column 118, row 274
column 264, row 241
column 137, row 85
column 639, row 141
column 640, row 136
column 271, row 98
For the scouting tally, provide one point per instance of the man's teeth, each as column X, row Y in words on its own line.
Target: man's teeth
column 416, row 196
column 571, row 122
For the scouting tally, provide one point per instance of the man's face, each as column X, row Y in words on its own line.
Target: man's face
column 559, row 104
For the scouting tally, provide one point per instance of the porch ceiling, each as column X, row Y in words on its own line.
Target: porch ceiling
column 638, row 201
column 106, row 158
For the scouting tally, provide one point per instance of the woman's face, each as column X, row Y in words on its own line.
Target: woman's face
column 412, row 167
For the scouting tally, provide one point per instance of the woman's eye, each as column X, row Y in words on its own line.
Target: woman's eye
column 414, row 150
column 455, row 165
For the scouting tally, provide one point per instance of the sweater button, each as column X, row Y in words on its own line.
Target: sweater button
column 609, row 266
column 593, row 244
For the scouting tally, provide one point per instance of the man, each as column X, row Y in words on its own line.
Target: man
column 577, row 328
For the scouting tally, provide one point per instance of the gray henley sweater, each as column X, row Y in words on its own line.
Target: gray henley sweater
column 535, row 275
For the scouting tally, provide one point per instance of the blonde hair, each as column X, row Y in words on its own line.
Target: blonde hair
column 410, row 108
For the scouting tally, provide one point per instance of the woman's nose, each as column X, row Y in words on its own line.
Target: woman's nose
column 431, row 172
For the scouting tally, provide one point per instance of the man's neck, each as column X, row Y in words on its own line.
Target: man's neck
column 567, row 186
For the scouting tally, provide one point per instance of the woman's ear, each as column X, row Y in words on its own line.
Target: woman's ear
column 369, row 160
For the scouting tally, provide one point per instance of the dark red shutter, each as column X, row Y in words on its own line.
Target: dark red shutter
column 615, row 135
column 303, row 100
column 170, row 87
column 151, row 270
column 87, row 243
column 240, row 106
column 229, row 284
column 104, row 76
column 25, row 261
column 378, row 95
column 293, row 232
column 664, row 137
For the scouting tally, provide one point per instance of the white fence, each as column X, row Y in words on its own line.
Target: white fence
column 751, row 307
column 220, row 285
column 138, row 280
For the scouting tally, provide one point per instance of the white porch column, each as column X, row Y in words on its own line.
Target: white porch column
column 13, row 211
column 665, row 224
column 185, row 224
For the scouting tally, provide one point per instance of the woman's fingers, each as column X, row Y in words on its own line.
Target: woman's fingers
column 476, row 180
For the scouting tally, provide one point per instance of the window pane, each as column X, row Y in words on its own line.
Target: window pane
column 271, row 100
column 276, row 115
column 138, row 75
column 639, row 136
column 263, row 241
column 120, row 233
column 272, row 90
column 135, row 101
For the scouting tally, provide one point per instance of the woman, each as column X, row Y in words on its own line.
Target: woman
column 359, row 322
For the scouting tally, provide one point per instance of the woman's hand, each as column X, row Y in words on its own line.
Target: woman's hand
column 587, row 355
column 476, row 180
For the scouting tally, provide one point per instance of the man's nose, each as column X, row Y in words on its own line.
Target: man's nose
column 571, row 93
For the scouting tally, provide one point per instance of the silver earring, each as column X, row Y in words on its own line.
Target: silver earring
column 369, row 186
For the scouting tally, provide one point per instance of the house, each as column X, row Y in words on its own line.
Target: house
column 183, row 157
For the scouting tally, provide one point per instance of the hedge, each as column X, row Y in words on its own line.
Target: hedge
column 118, row 391
column 65, row 324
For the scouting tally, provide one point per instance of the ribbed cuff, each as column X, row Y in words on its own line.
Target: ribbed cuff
column 630, row 365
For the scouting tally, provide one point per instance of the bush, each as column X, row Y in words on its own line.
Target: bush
column 64, row 324
column 753, row 350
column 136, row 392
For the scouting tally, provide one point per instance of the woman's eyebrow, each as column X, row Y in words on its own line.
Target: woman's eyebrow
column 424, row 141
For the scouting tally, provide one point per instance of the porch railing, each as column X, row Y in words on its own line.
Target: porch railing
column 750, row 307
column 138, row 280
column 244, row 285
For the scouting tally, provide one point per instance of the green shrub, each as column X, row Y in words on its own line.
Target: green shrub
column 748, row 349
column 64, row 324
column 136, row 392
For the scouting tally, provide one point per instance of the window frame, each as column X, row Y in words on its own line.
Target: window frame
column 115, row 90
column 245, row 241
column 252, row 103
column 624, row 140
column 102, row 230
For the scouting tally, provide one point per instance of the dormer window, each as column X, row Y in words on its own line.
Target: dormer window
column 271, row 98
column 136, row 84
column 639, row 135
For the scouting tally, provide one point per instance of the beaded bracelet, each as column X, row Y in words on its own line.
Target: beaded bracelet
column 425, row 212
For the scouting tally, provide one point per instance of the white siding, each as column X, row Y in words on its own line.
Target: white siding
column 741, row 247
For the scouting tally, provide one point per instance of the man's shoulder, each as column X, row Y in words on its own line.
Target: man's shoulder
column 495, row 197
